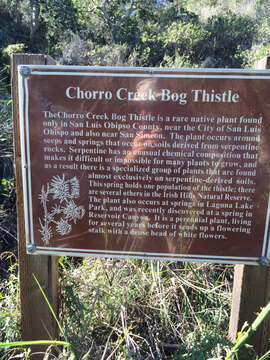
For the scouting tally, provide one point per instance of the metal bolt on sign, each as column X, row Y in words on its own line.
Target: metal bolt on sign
column 31, row 248
column 25, row 70
column 263, row 261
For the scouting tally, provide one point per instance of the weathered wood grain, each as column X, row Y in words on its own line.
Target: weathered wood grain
column 37, row 321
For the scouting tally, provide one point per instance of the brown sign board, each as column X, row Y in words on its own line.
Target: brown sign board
column 138, row 162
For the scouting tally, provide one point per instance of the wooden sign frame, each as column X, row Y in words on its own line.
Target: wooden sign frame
column 221, row 119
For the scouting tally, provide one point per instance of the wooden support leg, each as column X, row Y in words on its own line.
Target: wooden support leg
column 37, row 321
column 251, row 290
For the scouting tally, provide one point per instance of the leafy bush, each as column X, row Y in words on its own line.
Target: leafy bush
column 80, row 52
column 8, row 221
column 251, row 56
column 186, row 44
column 9, row 304
column 231, row 34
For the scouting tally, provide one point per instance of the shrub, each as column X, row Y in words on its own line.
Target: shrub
column 231, row 34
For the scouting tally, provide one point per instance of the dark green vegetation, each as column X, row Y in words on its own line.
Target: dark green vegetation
column 116, row 309
column 8, row 241
column 126, row 309
column 210, row 33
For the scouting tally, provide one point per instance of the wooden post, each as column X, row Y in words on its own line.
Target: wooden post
column 36, row 318
column 251, row 291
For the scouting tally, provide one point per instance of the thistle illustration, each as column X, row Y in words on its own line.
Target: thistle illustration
column 64, row 212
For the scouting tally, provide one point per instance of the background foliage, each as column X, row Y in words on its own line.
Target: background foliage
column 210, row 33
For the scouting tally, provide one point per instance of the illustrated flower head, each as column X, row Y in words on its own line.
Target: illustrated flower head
column 63, row 227
column 60, row 188
column 73, row 212
column 56, row 209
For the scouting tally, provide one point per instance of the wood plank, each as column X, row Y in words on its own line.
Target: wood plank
column 250, row 293
column 37, row 321
column 251, row 290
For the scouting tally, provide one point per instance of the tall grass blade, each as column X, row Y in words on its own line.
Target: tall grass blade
column 34, row 342
column 265, row 356
column 50, row 307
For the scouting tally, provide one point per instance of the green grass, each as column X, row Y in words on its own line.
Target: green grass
column 132, row 309
column 144, row 307
column 8, row 221
column 117, row 309
column 6, row 124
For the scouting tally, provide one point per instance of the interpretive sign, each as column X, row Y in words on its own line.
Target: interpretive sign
column 156, row 163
